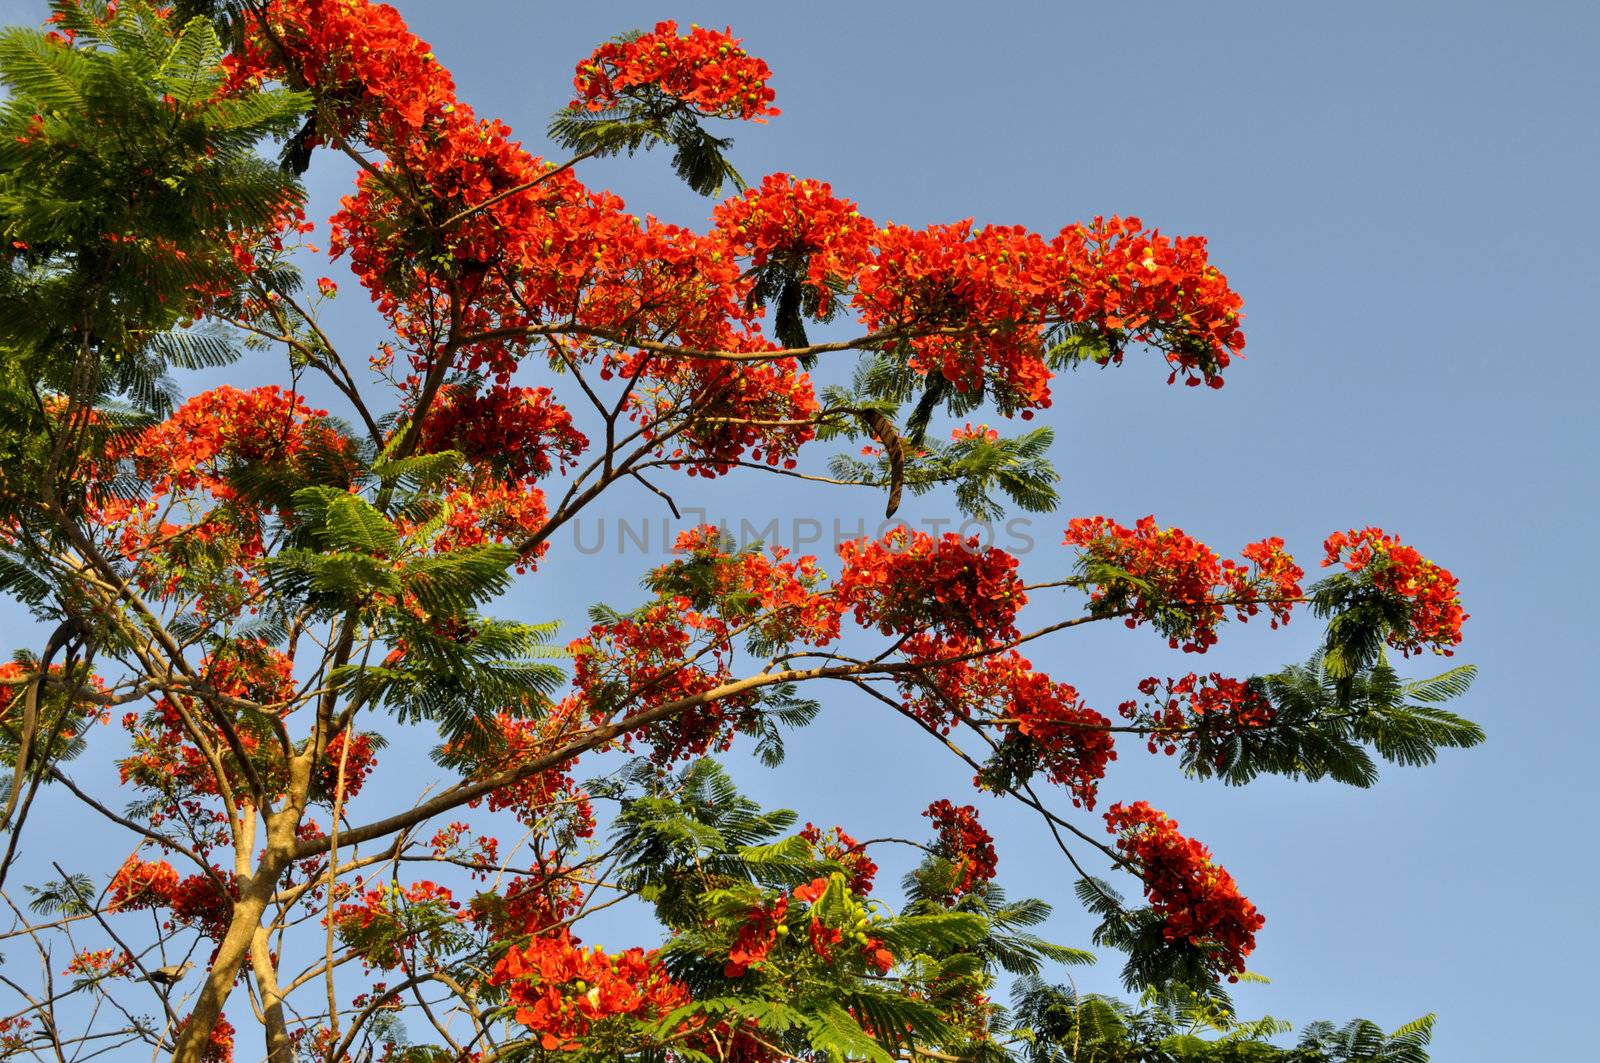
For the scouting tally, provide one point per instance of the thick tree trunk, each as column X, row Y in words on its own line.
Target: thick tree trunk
column 238, row 944
column 280, row 1049
column 232, row 952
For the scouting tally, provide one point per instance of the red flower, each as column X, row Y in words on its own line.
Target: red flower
column 520, row 432
column 1397, row 569
column 218, row 431
column 138, row 884
column 910, row 582
column 756, row 937
column 964, row 842
column 1197, row 900
column 358, row 764
column 560, row 990
column 811, row 891
column 1047, row 726
column 1178, row 583
column 1196, row 708
column 706, row 70
column 836, row 845
column 540, row 798
column 802, row 223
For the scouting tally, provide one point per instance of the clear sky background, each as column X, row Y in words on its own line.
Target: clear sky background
column 1403, row 193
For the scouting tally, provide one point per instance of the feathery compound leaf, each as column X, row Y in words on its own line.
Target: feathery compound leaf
column 193, row 71
column 420, row 472
column 352, row 522
column 1452, row 684
column 43, row 72
column 194, row 349
column 831, row 1030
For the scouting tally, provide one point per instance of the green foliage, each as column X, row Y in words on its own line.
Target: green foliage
column 390, row 924
column 453, row 666
column 61, row 898
column 1072, row 345
column 1153, row 960
column 649, row 119
column 227, row 16
column 684, row 835
column 1330, row 726
column 1057, row 1024
column 1361, row 1041
column 123, row 177
column 979, row 469
column 462, row 683
column 1007, row 945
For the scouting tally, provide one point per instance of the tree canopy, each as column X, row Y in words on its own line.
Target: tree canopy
column 251, row 597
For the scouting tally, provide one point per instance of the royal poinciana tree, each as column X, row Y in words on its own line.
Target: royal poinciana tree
column 248, row 597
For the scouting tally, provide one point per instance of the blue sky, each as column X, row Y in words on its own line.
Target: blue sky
column 1403, row 194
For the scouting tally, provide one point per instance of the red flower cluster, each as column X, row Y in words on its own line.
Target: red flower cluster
column 825, row 936
column 199, row 903
column 991, row 290
column 1186, row 587
column 983, row 433
column 963, row 841
column 909, row 582
column 835, row 845
column 550, row 250
column 1046, row 724
column 487, row 510
column 252, row 670
column 219, row 431
column 706, row 70
column 73, row 721
column 525, row 906
column 802, row 223
column 195, row 901
column 747, row 589
column 187, row 463
column 219, row 1045
column 99, row 963
column 987, row 291
column 639, row 661
column 521, row 433
column 683, row 643
column 1073, row 740
column 165, row 760
column 358, row 764
column 482, row 855
column 1397, row 569
column 543, row 798
column 1162, row 291
column 1276, row 582
column 14, row 1035
column 140, row 884
column 760, row 409
column 382, row 85
column 756, row 938
column 378, row 907
column 1197, row 900
column 560, row 990
column 1213, row 704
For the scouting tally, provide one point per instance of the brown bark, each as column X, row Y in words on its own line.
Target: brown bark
column 235, row 947
column 239, row 943
column 280, row 1049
